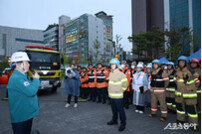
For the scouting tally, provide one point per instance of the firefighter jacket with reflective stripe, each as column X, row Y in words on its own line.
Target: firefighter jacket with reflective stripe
column 102, row 75
column 185, row 83
column 126, row 71
column 84, row 79
column 172, row 84
column 159, row 79
column 118, row 83
column 92, row 78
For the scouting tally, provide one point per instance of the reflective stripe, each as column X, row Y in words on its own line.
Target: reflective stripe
column 170, row 89
column 158, row 80
column 180, row 112
column 115, row 83
column 124, row 80
column 193, row 115
column 91, row 76
column 164, row 112
column 196, row 79
column 153, row 109
column 158, row 90
column 174, row 78
column 170, row 104
column 171, row 80
column 166, row 78
column 191, row 82
column 190, row 95
column 101, row 77
column 177, row 93
column 198, row 91
column 124, row 88
column 174, row 105
column 116, row 95
column 180, row 81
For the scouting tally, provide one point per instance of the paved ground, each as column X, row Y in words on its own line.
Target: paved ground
column 88, row 118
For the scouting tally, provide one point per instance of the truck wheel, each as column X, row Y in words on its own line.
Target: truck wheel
column 54, row 89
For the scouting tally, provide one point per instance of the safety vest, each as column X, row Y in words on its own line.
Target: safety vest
column 91, row 75
column 126, row 71
column 100, row 75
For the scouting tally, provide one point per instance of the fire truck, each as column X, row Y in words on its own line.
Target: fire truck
column 46, row 62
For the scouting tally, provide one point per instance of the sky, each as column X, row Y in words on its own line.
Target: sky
column 38, row 14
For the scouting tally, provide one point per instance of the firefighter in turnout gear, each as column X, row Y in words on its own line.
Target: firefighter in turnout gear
column 118, row 83
column 126, row 71
column 195, row 66
column 101, row 84
column 185, row 95
column 159, row 80
column 92, row 82
column 170, row 89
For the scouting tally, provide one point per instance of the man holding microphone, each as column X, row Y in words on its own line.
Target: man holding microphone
column 22, row 94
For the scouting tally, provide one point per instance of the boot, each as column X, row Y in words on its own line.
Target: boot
column 163, row 119
column 121, row 127
column 112, row 122
column 152, row 115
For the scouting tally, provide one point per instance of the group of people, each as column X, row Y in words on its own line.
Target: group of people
column 176, row 87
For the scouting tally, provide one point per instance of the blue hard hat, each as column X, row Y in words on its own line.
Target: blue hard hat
column 156, row 61
column 183, row 58
column 170, row 63
column 115, row 61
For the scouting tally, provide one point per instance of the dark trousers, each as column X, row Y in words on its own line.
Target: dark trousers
column 101, row 94
column 117, row 108
column 70, row 97
column 126, row 99
column 93, row 94
column 22, row 127
column 84, row 92
column 141, row 108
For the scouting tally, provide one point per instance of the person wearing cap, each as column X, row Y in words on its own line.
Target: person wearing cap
column 118, row 83
column 159, row 81
column 139, row 88
column 196, row 69
column 147, row 83
column 22, row 94
column 170, row 89
column 185, row 94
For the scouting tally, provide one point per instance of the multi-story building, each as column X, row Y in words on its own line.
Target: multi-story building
column 79, row 36
column 51, row 36
column 145, row 15
column 187, row 13
column 15, row 39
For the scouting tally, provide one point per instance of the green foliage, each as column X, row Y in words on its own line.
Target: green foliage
column 4, row 64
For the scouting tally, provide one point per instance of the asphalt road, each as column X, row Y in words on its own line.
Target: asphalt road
column 87, row 118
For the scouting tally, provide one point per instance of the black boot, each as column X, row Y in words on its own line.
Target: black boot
column 122, row 127
column 112, row 122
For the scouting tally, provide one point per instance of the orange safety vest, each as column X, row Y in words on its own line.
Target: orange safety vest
column 101, row 75
column 92, row 78
column 84, row 80
column 126, row 71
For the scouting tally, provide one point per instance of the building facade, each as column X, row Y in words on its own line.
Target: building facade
column 80, row 34
column 16, row 39
column 145, row 15
column 187, row 13
column 51, row 37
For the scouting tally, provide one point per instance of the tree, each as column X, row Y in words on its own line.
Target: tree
column 4, row 64
column 95, row 54
column 148, row 44
column 178, row 41
column 118, row 46
column 67, row 61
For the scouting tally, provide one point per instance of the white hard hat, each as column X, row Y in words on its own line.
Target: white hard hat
column 149, row 65
column 140, row 64
column 19, row 56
